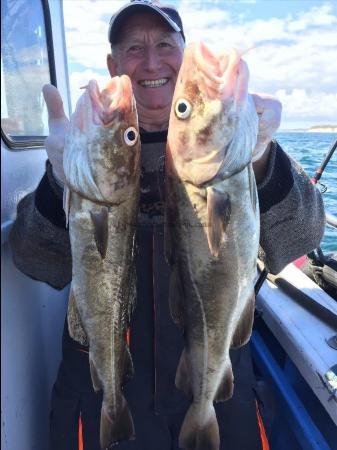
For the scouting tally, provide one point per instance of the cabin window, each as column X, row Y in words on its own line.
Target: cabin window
column 26, row 58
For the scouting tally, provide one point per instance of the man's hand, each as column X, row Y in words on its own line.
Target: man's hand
column 269, row 111
column 58, row 128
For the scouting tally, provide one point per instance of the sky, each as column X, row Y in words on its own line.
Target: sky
column 294, row 54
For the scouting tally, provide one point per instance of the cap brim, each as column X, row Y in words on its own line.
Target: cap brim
column 118, row 18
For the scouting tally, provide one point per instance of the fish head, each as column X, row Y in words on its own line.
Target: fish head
column 211, row 110
column 102, row 154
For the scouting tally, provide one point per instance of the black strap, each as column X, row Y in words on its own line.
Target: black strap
column 260, row 281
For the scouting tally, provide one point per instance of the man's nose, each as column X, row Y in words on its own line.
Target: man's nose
column 152, row 60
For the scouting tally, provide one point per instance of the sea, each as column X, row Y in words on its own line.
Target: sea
column 310, row 149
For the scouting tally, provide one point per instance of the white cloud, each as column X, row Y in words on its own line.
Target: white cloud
column 87, row 30
column 299, row 104
column 317, row 16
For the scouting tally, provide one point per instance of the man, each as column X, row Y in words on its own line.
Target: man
column 147, row 44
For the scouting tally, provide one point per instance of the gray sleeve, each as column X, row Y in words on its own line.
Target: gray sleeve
column 38, row 239
column 292, row 212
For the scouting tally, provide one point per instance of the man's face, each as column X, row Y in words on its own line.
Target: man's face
column 150, row 53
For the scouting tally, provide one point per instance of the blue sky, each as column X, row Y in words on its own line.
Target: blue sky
column 261, row 9
column 295, row 54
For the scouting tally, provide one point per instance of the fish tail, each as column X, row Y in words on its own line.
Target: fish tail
column 197, row 433
column 117, row 427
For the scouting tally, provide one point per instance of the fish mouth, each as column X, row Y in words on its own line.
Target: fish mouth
column 153, row 83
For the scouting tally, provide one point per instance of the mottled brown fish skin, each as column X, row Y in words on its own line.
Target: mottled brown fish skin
column 102, row 225
column 212, row 238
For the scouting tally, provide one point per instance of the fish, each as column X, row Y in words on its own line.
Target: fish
column 211, row 229
column 102, row 169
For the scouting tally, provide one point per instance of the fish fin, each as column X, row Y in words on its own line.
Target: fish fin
column 176, row 296
column 218, row 216
column 100, row 221
column 252, row 188
column 182, row 380
column 96, row 382
column 117, row 428
column 199, row 436
column 128, row 365
column 66, row 203
column 244, row 327
column 75, row 326
column 226, row 387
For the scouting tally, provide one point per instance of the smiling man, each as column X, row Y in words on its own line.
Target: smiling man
column 147, row 43
column 147, row 50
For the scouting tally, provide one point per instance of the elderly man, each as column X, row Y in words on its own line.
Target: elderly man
column 147, row 44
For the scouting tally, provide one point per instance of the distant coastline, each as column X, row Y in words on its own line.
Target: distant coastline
column 323, row 129
column 313, row 129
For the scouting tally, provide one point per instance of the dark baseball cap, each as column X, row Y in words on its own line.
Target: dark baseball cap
column 167, row 12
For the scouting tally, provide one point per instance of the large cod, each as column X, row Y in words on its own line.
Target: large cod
column 102, row 170
column 212, row 229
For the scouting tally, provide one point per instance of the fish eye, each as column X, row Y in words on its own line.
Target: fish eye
column 183, row 108
column 130, row 136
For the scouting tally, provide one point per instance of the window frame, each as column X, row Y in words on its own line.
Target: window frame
column 37, row 142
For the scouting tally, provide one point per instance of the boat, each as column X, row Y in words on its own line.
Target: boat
column 294, row 346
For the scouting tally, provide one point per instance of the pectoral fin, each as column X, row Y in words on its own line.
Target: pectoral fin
column 100, row 221
column 218, row 216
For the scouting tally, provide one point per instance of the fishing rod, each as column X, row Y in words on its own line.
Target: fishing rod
column 320, row 170
column 331, row 220
column 323, row 268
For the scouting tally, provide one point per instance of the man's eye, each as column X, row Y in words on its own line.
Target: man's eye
column 165, row 45
column 135, row 48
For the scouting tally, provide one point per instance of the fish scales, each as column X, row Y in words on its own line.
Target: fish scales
column 212, row 229
column 101, row 162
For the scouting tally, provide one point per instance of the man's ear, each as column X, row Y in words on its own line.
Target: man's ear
column 112, row 66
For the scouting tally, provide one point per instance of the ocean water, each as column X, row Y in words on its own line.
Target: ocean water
column 309, row 149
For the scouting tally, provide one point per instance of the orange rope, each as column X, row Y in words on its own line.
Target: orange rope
column 128, row 336
column 264, row 439
column 80, row 436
